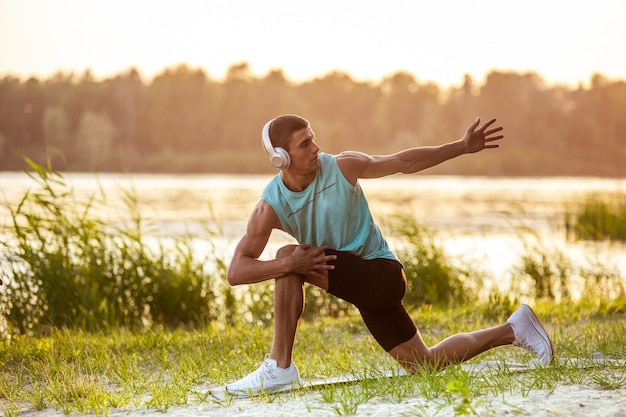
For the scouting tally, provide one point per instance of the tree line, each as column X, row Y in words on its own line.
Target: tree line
column 184, row 121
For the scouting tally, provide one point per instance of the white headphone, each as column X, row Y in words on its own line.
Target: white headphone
column 278, row 156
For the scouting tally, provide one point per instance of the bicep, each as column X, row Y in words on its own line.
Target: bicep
column 355, row 165
column 258, row 230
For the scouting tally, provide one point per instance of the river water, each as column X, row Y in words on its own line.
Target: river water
column 476, row 219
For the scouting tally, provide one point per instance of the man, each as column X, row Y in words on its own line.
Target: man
column 317, row 199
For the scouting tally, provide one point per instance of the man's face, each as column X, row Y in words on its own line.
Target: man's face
column 303, row 150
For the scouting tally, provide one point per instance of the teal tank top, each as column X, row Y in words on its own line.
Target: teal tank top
column 330, row 212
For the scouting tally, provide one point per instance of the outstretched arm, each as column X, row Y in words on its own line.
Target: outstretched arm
column 356, row 165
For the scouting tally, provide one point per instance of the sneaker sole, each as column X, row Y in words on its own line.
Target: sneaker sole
column 534, row 320
column 275, row 390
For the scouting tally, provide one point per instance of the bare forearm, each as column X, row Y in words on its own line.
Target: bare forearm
column 309, row 262
column 418, row 159
column 248, row 270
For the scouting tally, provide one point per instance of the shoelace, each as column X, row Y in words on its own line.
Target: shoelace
column 268, row 371
column 263, row 373
column 526, row 346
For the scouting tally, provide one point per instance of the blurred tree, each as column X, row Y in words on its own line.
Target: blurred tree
column 276, row 95
column 21, row 109
column 55, row 127
column 409, row 110
column 341, row 109
column 176, row 111
column 239, row 105
column 183, row 121
column 94, row 138
column 512, row 98
column 261, row 99
column 458, row 109
column 124, row 103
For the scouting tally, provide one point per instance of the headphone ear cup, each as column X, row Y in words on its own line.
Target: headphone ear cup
column 280, row 159
column 278, row 156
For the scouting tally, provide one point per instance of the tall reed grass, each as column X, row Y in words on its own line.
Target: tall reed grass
column 545, row 271
column 432, row 277
column 598, row 218
column 66, row 267
column 99, row 316
column 63, row 266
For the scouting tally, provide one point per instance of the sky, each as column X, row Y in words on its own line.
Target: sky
column 564, row 41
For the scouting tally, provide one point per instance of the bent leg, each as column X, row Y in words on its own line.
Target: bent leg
column 414, row 355
column 288, row 309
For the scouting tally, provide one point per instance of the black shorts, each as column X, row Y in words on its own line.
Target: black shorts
column 376, row 287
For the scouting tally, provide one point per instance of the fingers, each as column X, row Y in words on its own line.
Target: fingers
column 314, row 257
column 323, row 266
column 315, row 275
column 317, row 250
column 473, row 126
column 492, row 131
column 330, row 258
column 483, row 130
column 323, row 262
column 484, row 127
column 306, row 247
column 489, row 139
column 488, row 132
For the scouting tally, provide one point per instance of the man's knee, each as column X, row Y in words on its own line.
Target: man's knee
column 290, row 279
column 413, row 355
column 285, row 251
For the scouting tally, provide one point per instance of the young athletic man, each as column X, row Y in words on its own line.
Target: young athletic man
column 317, row 199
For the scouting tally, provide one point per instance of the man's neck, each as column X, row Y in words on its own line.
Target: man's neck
column 297, row 182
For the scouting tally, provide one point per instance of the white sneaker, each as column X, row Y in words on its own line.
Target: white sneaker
column 268, row 378
column 530, row 334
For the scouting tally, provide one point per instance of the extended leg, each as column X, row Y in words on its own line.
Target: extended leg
column 522, row 329
column 414, row 355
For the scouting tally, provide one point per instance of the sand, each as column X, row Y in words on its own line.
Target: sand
column 587, row 399
column 571, row 400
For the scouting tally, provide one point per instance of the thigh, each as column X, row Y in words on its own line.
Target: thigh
column 391, row 326
column 376, row 288
column 368, row 284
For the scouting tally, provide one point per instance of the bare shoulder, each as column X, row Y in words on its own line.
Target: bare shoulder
column 352, row 156
column 263, row 219
column 352, row 164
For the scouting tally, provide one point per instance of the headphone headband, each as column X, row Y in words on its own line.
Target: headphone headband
column 278, row 156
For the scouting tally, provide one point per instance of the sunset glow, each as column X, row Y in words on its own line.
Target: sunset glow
column 562, row 40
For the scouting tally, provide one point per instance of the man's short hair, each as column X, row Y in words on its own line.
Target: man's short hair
column 283, row 127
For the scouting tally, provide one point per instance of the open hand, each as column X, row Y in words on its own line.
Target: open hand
column 479, row 138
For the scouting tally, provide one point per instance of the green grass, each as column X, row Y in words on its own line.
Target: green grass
column 599, row 217
column 432, row 276
column 66, row 267
column 93, row 318
column 545, row 271
column 91, row 373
